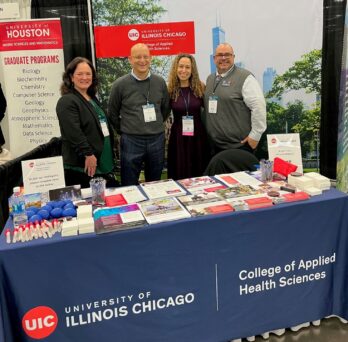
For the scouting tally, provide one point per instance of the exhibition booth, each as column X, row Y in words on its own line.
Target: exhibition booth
column 155, row 266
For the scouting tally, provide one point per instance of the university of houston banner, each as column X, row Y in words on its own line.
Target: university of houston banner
column 31, row 55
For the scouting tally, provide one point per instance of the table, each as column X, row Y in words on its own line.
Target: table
column 208, row 279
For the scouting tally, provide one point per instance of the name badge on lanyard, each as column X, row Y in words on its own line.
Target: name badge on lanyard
column 213, row 100
column 105, row 128
column 187, row 125
column 149, row 112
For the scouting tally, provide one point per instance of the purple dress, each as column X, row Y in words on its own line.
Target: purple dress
column 188, row 156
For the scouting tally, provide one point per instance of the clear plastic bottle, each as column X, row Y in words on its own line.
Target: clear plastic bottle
column 18, row 208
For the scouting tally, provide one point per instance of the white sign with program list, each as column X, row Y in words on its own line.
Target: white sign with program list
column 286, row 147
column 41, row 175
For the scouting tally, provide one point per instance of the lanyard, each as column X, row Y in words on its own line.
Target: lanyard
column 217, row 81
column 187, row 102
column 148, row 90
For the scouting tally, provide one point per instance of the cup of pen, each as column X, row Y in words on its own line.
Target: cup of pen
column 266, row 167
column 97, row 185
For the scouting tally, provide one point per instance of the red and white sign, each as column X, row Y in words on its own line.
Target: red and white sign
column 31, row 56
column 40, row 322
column 30, row 35
column 161, row 38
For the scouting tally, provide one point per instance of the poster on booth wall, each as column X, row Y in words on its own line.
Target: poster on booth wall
column 31, row 57
column 286, row 147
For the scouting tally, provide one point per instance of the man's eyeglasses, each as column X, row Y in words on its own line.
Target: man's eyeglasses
column 224, row 55
column 138, row 58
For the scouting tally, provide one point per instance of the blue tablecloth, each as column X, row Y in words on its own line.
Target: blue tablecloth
column 209, row 278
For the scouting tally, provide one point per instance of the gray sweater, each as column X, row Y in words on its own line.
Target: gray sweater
column 232, row 122
column 127, row 97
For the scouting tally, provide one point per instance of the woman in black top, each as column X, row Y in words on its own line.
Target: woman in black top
column 86, row 136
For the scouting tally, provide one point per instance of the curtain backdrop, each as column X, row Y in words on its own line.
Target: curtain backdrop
column 75, row 24
column 333, row 29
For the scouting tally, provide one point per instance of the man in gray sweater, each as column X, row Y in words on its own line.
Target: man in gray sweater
column 235, row 108
column 138, row 106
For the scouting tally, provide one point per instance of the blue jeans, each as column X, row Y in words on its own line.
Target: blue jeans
column 139, row 149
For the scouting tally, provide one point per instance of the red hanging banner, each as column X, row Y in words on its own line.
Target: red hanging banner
column 161, row 38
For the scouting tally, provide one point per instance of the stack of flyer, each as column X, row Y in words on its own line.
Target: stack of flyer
column 118, row 218
column 277, row 186
column 297, row 196
column 259, row 202
column 235, row 178
column 219, row 207
column 199, row 198
column 319, row 180
column 162, row 188
column 124, row 195
column 304, row 183
column 227, row 178
column 238, row 191
column 162, row 210
column 238, row 204
column 201, row 184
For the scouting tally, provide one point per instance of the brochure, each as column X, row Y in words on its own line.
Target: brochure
column 210, row 208
column 199, row 184
column 162, row 188
column 235, row 178
column 163, row 209
column 124, row 195
column 237, row 191
column 199, row 198
column 118, row 218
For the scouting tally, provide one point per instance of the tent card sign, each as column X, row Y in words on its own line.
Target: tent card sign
column 42, row 175
column 286, row 147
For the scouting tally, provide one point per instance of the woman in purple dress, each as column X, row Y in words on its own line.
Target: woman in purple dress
column 188, row 152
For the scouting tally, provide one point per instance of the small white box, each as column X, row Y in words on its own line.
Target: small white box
column 84, row 211
column 304, row 182
column 70, row 225
column 86, row 225
column 69, row 233
column 292, row 180
column 70, row 228
column 320, row 181
column 313, row 191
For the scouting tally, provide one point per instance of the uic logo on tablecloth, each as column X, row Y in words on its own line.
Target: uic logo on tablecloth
column 40, row 322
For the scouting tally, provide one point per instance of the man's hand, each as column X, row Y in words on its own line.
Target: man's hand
column 252, row 143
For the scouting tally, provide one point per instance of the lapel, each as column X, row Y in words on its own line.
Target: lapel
column 89, row 107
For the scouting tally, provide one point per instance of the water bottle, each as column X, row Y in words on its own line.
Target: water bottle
column 18, row 208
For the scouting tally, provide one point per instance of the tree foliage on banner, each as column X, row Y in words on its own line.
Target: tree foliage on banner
column 122, row 12
column 295, row 118
column 304, row 74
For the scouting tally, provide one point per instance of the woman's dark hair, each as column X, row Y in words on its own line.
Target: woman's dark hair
column 67, row 86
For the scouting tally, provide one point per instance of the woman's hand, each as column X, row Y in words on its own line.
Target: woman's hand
column 90, row 165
